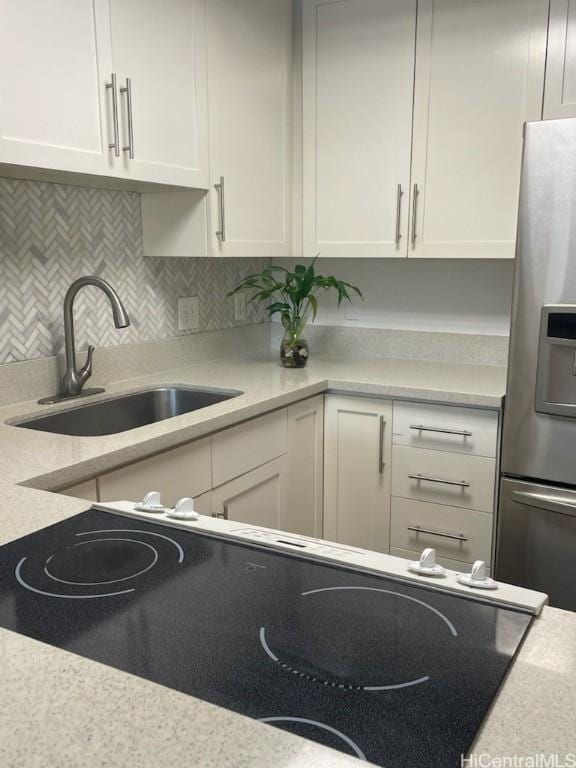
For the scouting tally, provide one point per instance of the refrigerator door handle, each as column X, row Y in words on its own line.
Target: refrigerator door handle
column 555, row 504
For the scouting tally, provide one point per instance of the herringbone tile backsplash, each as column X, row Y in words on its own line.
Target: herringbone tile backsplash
column 50, row 234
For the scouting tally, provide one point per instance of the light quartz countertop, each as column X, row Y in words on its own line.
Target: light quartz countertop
column 64, row 711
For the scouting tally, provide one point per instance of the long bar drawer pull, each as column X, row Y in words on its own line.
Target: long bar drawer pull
column 415, row 194
column 441, row 430
column 399, row 194
column 127, row 90
column 221, row 232
column 111, row 86
column 428, row 479
column 454, row 536
column 381, row 462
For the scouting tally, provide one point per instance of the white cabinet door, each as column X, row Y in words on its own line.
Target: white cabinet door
column 180, row 472
column 53, row 66
column 246, row 446
column 358, row 77
column 249, row 75
column 560, row 91
column 357, row 453
column 304, row 491
column 256, row 498
column 160, row 48
column 479, row 77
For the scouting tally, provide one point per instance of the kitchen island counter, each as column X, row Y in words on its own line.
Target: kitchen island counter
column 57, row 709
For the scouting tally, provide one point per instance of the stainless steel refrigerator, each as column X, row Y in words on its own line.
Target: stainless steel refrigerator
column 536, row 542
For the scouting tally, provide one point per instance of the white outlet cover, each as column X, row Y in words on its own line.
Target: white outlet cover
column 188, row 313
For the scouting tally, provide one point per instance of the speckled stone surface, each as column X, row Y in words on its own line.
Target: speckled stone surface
column 52, row 461
column 470, row 348
column 61, row 710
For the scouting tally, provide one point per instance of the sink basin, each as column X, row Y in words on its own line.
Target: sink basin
column 124, row 412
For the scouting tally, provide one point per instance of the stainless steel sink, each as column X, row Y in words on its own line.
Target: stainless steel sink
column 124, row 412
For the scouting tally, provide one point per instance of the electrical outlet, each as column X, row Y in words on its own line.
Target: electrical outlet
column 188, row 314
column 239, row 307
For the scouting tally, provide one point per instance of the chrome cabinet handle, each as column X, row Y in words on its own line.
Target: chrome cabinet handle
column 399, row 194
column 221, row 232
column 441, row 430
column 542, row 501
column 442, row 534
column 111, row 86
column 415, row 194
column 381, row 461
column 440, row 480
column 127, row 89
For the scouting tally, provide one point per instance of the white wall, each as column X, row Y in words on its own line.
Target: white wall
column 434, row 295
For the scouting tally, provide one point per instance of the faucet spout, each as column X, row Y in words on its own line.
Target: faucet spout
column 73, row 380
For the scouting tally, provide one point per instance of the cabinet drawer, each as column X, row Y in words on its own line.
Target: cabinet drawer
column 183, row 471
column 444, row 428
column 444, row 478
column 454, row 565
column 471, row 531
column 247, row 446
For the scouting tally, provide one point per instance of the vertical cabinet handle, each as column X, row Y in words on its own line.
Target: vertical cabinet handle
column 221, row 232
column 415, row 194
column 381, row 446
column 111, row 86
column 127, row 89
column 399, row 194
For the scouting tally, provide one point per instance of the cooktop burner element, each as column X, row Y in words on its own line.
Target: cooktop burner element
column 115, row 556
column 388, row 671
column 357, row 643
column 295, row 724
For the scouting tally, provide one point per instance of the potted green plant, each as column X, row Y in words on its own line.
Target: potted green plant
column 293, row 296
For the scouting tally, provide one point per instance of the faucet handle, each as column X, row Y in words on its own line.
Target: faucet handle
column 86, row 371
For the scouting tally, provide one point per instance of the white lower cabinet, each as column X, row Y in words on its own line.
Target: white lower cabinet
column 443, row 478
column 239, row 449
column 305, row 472
column 357, row 452
column 404, row 497
column 256, row 498
column 463, row 535
column 342, row 468
column 182, row 471
column 203, row 503
column 266, row 471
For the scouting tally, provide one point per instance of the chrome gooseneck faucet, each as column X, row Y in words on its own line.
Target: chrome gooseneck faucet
column 74, row 379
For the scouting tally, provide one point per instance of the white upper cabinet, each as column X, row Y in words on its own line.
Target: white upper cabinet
column 358, row 75
column 560, row 92
column 479, row 77
column 159, row 58
column 52, row 73
column 250, row 94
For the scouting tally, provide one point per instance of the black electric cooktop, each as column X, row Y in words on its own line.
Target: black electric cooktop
column 398, row 675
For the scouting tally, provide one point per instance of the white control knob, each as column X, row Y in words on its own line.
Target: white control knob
column 184, row 510
column 427, row 565
column 477, row 578
column 152, row 503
